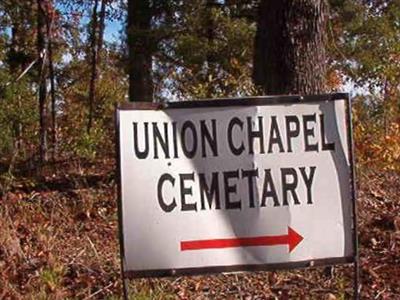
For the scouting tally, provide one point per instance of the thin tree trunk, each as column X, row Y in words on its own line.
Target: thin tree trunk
column 140, row 50
column 14, row 70
column 210, row 31
column 41, row 49
column 93, row 65
column 290, row 56
column 210, row 43
column 49, row 24
column 100, row 40
column 386, row 105
column 14, row 47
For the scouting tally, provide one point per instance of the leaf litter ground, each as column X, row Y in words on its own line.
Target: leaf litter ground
column 58, row 240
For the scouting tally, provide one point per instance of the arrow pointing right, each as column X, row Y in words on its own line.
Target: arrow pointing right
column 292, row 239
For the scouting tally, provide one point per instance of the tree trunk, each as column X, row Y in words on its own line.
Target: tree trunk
column 290, row 56
column 210, row 31
column 96, row 44
column 41, row 49
column 14, row 49
column 15, row 69
column 140, row 50
column 209, row 34
column 100, row 40
column 49, row 27
column 93, row 65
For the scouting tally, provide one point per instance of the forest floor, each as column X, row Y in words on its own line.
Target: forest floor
column 59, row 240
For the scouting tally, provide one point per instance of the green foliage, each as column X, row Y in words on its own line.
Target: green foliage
column 18, row 117
column 209, row 56
column 85, row 145
column 52, row 277
column 365, row 47
column 111, row 89
column 366, row 41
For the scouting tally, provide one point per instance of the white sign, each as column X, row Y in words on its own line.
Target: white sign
column 235, row 187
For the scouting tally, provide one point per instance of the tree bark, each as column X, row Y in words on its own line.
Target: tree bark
column 49, row 28
column 210, row 31
column 96, row 44
column 41, row 52
column 140, row 47
column 290, row 56
column 93, row 65
column 100, row 40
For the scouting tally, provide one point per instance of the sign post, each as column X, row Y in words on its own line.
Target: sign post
column 225, row 185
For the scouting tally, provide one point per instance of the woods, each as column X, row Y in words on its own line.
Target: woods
column 172, row 51
column 65, row 64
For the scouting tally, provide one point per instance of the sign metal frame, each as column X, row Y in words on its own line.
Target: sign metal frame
column 245, row 101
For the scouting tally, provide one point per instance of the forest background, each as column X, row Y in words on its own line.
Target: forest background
column 64, row 64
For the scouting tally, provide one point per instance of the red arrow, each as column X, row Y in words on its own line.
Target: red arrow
column 292, row 239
